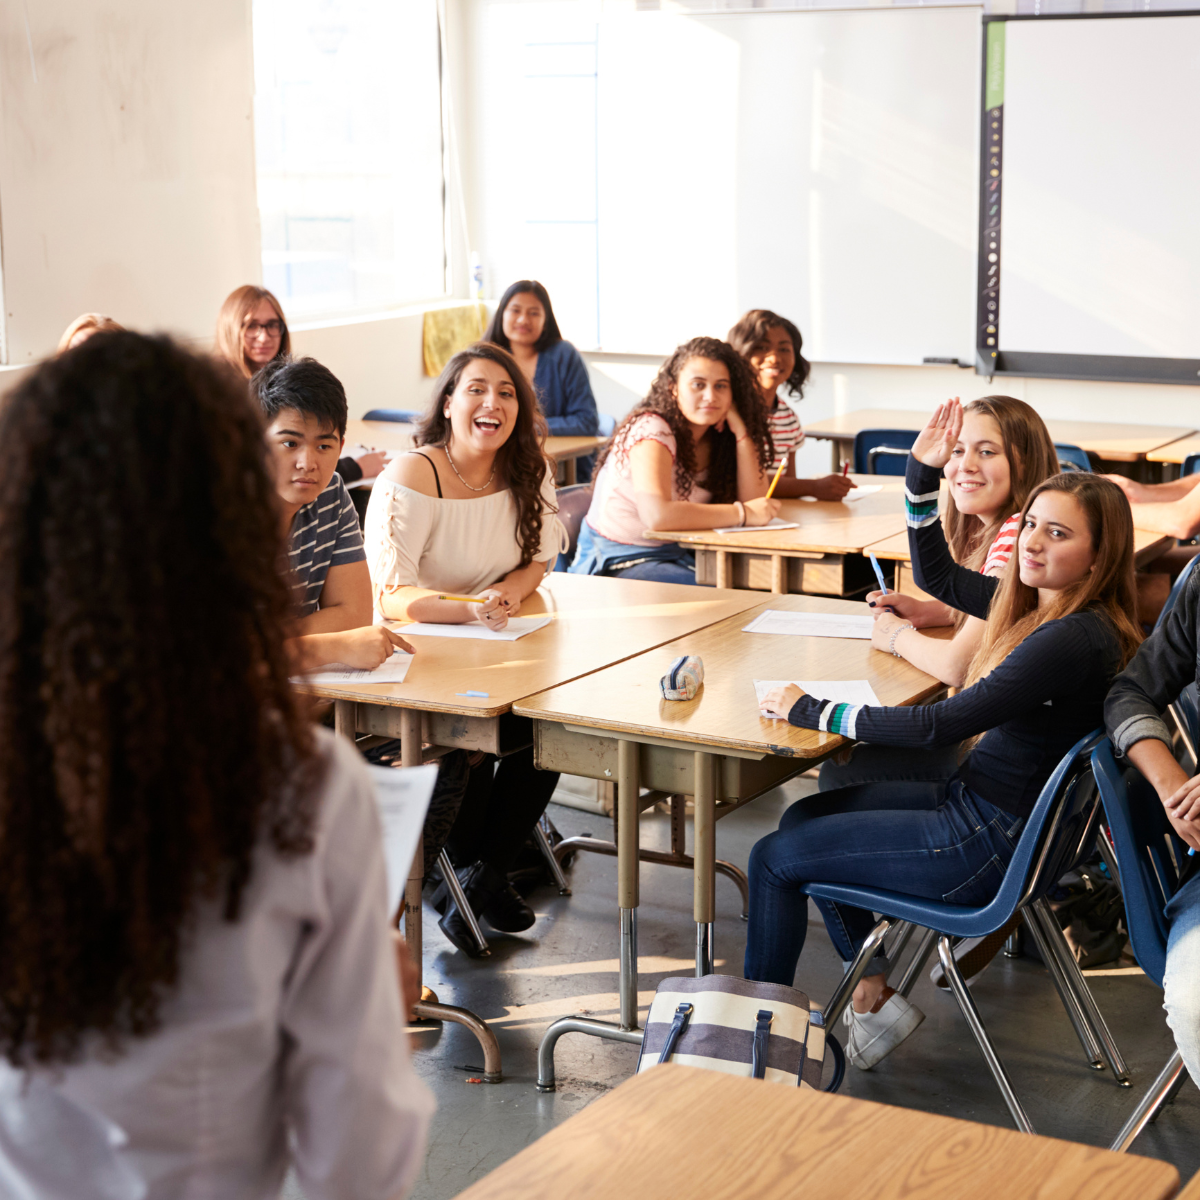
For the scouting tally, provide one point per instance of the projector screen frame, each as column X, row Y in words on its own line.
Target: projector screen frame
column 990, row 359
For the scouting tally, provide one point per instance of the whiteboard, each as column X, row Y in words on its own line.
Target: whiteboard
column 823, row 164
column 1100, row 245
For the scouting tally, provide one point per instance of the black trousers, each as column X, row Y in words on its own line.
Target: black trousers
column 503, row 801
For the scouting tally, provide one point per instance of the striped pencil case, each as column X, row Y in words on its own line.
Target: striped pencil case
column 761, row 1030
column 683, row 680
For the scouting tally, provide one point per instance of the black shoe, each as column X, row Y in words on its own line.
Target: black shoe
column 506, row 911
column 459, row 932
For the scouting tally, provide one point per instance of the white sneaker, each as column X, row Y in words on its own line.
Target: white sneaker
column 874, row 1035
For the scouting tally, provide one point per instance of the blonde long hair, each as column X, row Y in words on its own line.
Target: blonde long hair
column 89, row 323
column 232, row 319
column 1107, row 588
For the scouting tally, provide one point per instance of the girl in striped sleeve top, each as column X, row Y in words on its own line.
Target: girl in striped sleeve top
column 1059, row 631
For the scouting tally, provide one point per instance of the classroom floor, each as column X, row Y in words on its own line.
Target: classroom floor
column 569, row 966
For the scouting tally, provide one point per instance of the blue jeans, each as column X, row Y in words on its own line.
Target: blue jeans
column 598, row 555
column 934, row 840
column 890, row 764
column 1181, row 982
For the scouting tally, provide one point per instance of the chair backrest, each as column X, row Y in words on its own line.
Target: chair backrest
column 1072, row 458
column 882, row 451
column 607, row 425
column 1149, row 856
column 573, row 503
column 1177, row 588
column 1191, row 465
column 393, row 414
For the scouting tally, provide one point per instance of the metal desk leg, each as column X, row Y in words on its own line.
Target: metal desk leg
column 778, row 575
column 429, row 1009
column 705, row 853
column 570, row 473
column 722, row 558
column 345, row 718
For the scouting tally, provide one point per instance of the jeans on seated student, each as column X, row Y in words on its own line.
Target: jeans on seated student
column 598, row 555
column 1181, row 996
column 879, row 764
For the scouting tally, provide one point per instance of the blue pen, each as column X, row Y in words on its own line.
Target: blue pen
column 474, row 695
column 878, row 572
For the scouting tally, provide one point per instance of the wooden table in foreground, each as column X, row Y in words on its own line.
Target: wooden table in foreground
column 398, row 436
column 822, row 556
column 1147, row 546
column 715, row 748
column 596, row 622
column 681, row 1131
column 1112, row 441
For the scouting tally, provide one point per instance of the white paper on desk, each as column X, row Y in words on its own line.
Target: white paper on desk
column 862, row 490
column 517, row 627
column 773, row 523
column 392, row 671
column 840, row 691
column 811, row 624
column 402, row 796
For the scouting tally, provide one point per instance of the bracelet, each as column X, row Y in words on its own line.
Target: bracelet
column 895, row 634
column 741, row 512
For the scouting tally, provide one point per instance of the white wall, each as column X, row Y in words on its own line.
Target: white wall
column 127, row 181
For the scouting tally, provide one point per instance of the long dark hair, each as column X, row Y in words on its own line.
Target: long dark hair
column 751, row 332
column 520, row 462
column 550, row 334
column 148, row 734
column 662, row 400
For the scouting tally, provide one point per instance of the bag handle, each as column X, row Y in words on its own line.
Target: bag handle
column 762, row 1031
column 683, row 1014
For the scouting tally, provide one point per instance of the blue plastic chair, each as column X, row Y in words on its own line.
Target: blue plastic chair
column 393, row 414
column 1072, row 458
column 1149, row 875
column 1057, row 833
column 1176, row 590
column 1191, row 465
column 607, row 425
column 573, row 503
column 882, row 451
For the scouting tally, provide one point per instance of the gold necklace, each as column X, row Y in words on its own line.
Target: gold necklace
column 461, row 480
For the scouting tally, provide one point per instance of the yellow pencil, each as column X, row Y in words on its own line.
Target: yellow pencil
column 464, row 599
column 774, row 481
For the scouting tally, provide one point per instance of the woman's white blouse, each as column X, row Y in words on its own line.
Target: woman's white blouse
column 284, row 1041
column 459, row 546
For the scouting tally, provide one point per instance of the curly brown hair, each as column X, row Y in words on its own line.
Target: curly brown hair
column 521, row 462
column 662, row 400
column 149, row 738
column 751, row 332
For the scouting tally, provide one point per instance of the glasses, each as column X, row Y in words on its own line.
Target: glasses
column 271, row 329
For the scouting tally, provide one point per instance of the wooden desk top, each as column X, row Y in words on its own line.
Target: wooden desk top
column 397, row 436
column 1176, row 452
column 1147, row 546
column 681, row 1131
column 1113, row 441
column 724, row 715
column 597, row 622
column 825, row 526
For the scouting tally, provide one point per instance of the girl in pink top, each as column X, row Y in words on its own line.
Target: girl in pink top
column 694, row 454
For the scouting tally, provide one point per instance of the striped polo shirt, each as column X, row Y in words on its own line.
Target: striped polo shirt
column 786, row 431
column 325, row 533
column 1005, row 543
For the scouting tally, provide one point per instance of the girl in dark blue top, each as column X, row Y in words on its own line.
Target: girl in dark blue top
column 1059, row 629
column 524, row 325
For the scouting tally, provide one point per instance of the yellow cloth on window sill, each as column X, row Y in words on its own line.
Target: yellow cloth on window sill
column 446, row 331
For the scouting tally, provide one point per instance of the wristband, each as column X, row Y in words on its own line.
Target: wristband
column 895, row 634
column 741, row 512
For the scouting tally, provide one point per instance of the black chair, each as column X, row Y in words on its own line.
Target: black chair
column 573, row 503
column 393, row 414
column 882, row 451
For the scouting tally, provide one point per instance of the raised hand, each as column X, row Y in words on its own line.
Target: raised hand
column 935, row 443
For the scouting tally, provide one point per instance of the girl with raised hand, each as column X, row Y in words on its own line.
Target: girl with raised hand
column 1059, row 630
column 472, row 512
column 694, row 454
column 771, row 345
column 197, row 984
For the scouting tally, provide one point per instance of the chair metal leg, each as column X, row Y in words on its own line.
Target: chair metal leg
column 1083, row 1031
column 543, row 841
column 1172, row 1092
column 1077, row 983
column 461, row 902
column 967, row 1003
column 917, row 963
column 849, row 981
column 604, row 1029
column 895, row 945
column 1150, row 1103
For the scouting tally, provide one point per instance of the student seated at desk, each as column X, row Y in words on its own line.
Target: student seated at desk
column 1170, row 508
column 197, row 985
column 1000, row 452
column 1059, row 629
column 471, row 513
column 692, row 455
column 251, row 332
column 771, row 345
column 83, row 327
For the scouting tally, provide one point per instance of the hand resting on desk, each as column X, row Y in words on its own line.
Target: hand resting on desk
column 778, row 701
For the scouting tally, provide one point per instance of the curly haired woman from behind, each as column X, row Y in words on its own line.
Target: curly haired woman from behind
column 692, row 455
column 197, row 986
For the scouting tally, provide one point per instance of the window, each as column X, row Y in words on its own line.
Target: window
column 348, row 125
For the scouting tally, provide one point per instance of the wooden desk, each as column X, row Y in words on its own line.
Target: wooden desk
column 1147, row 546
column 1176, row 452
column 597, row 622
column 397, row 436
column 1112, row 441
column 822, row 556
column 681, row 1131
column 716, row 748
